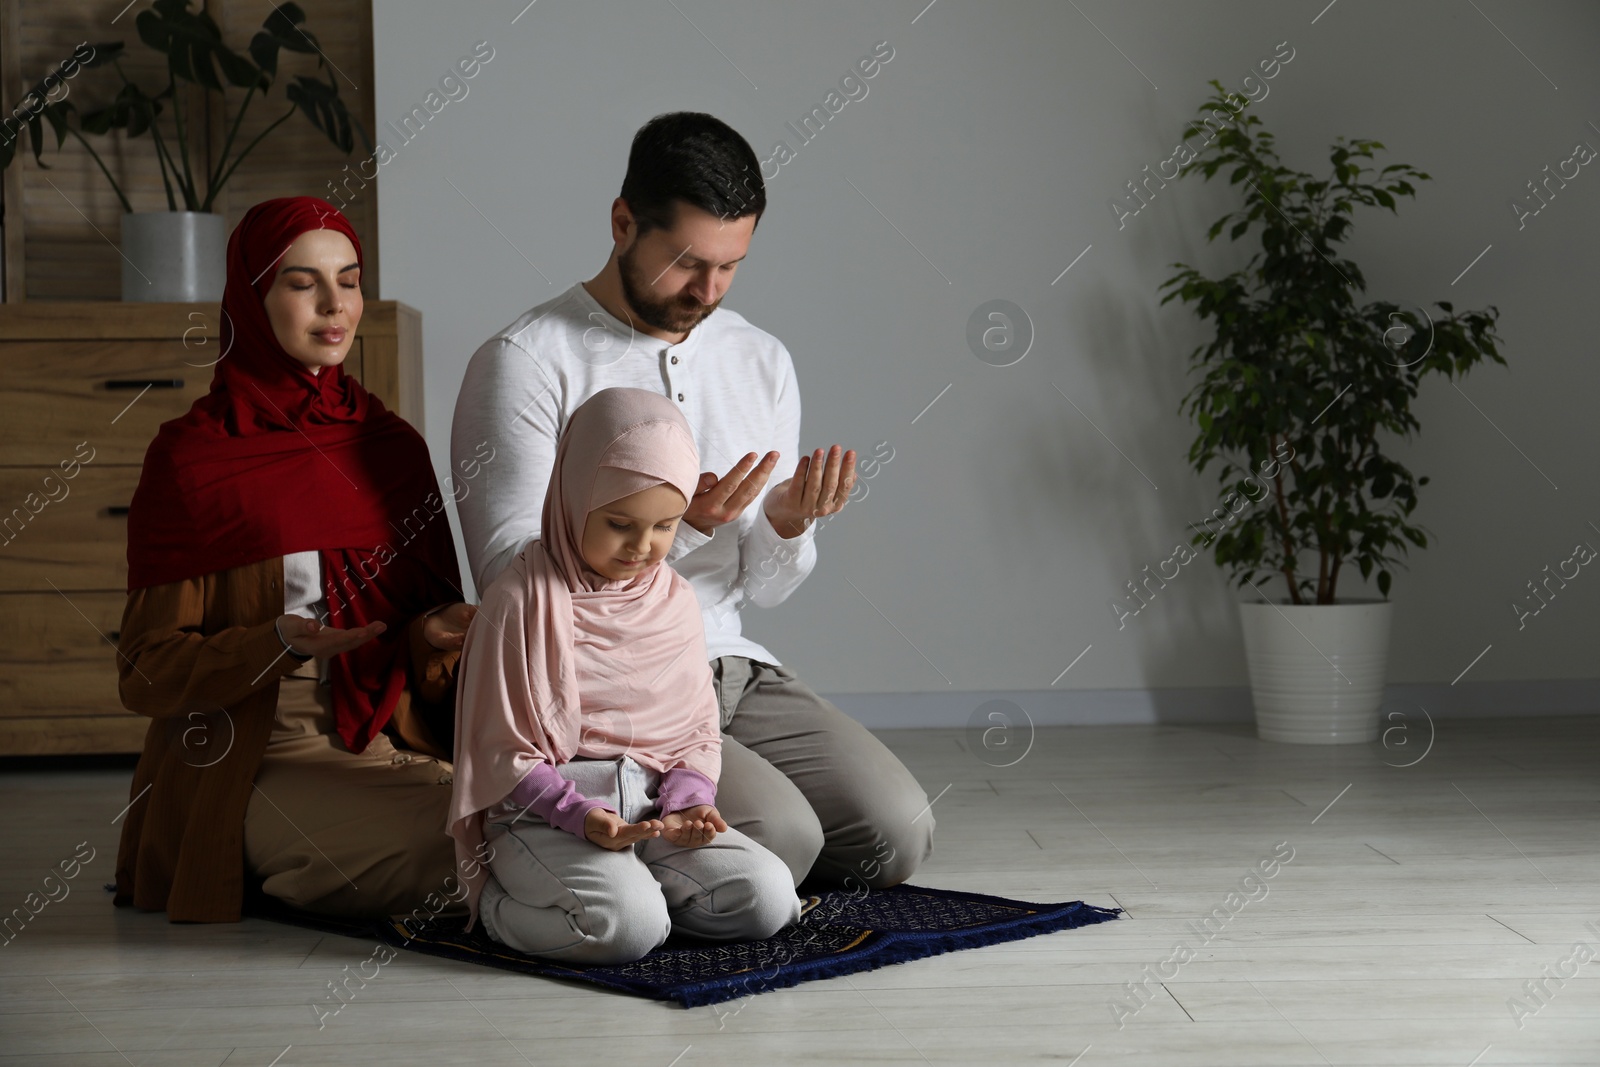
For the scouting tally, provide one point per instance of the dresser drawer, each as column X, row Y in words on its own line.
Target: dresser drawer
column 75, row 628
column 59, row 393
column 56, row 653
column 65, row 531
column 70, row 735
column 34, row 689
column 112, row 394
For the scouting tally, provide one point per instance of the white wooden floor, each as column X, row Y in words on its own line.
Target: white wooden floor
column 1415, row 907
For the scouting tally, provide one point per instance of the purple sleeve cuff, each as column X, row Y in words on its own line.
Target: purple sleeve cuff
column 554, row 799
column 683, row 788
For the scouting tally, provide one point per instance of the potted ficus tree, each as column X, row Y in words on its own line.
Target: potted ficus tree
column 180, row 254
column 1301, row 390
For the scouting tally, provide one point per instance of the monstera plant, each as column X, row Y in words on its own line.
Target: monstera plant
column 1303, row 387
column 195, row 55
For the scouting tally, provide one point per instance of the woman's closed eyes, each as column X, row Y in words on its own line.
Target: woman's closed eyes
column 312, row 285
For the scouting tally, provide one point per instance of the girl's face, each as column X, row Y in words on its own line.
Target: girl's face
column 314, row 304
column 625, row 537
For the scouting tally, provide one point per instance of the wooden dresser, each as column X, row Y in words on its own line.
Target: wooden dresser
column 83, row 389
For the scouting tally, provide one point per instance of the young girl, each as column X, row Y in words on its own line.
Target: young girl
column 587, row 741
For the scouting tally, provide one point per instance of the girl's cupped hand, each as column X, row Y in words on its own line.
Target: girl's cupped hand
column 693, row 827
column 608, row 830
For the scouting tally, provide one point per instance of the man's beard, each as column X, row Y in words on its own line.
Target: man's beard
column 678, row 315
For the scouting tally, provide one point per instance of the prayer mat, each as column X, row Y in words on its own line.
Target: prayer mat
column 839, row 932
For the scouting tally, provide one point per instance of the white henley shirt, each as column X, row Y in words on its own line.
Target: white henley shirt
column 735, row 385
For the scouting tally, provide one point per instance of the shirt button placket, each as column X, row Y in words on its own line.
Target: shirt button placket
column 673, row 361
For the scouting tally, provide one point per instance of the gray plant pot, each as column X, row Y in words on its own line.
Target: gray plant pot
column 174, row 256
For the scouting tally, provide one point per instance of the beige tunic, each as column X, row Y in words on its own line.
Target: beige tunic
column 340, row 832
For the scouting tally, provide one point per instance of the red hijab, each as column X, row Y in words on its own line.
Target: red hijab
column 276, row 459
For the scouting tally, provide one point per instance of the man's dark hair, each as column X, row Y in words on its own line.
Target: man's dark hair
column 696, row 158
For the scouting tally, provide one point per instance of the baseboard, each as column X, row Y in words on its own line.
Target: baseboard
column 1127, row 707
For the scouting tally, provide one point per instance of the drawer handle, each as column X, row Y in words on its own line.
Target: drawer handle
column 115, row 635
column 144, row 383
column 117, row 510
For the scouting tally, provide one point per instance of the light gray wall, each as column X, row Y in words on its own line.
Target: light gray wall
column 978, row 166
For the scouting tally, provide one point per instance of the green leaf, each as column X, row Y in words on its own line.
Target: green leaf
column 321, row 104
column 36, row 138
column 193, row 45
column 281, row 30
column 55, row 114
column 103, row 53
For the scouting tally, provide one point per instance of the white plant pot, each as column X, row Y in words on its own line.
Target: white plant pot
column 1317, row 670
column 174, row 256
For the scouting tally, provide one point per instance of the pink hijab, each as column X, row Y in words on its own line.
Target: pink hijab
column 562, row 662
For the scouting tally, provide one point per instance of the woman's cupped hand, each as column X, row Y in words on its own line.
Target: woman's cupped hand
column 447, row 629
column 308, row 637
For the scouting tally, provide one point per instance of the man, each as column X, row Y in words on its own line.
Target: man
column 798, row 775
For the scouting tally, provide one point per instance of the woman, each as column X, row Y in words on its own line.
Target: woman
column 286, row 613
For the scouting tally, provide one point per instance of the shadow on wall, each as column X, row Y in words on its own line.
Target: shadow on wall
column 1070, row 476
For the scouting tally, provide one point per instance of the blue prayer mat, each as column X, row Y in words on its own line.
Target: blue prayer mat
column 838, row 933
